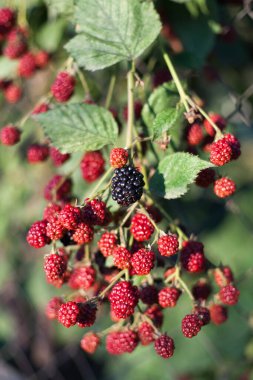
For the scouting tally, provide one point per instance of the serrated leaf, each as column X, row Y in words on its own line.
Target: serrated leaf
column 112, row 31
column 79, row 127
column 50, row 35
column 175, row 172
column 8, row 68
column 166, row 120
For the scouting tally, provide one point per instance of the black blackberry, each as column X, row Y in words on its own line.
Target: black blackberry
column 127, row 185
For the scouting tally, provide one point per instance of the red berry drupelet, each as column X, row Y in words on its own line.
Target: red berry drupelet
column 218, row 314
column 94, row 212
column 92, row 166
column 168, row 245
column 87, row 314
column 57, row 157
column 141, row 227
column 201, row 290
column 218, row 120
column 118, row 157
column 51, row 210
column 83, row 233
column 121, row 257
column 229, row 295
column 121, row 342
column 168, row 297
column 37, row 153
column 224, row 187
column 58, row 188
column 55, row 267
column 223, row 276
column 155, row 313
column 191, row 325
column 205, row 178
column 7, row 19
column 123, row 298
column 82, row 277
column 164, row 346
column 27, row 65
column 195, row 134
column 220, row 152
column 203, row 314
column 107, row 243
column 41, row 59
column 40, row 108
column 148, row 294
column 53, row 307
column 90, row 342
column 69, row 217
column 143, row 261
column 234, row 144
column 192, row 256
column 10, row 135
column 63, row 87
column 68, row 314
column 37, row 234
column 12, row 93
column 146, row 333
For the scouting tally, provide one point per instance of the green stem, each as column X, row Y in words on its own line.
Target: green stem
column 83, row 82
column 114, row 280
column 103, row 178
column 110, row 91
column 185, row 287
column 130, row 105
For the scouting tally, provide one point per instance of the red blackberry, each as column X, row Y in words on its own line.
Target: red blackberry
column 143, row 261
column 205, row 178
column 106, row 243
column 53, row 307
column 92, row 166
column 223, row 276
column 168, row 245
column 90, row 342
column 36, row 236
column 224, row 187
column 55, row 266
column 118, row 157
column 146, row 333
column 191, row 325
column 164, row 346
column 194, row 134
column 12, row 93
column 137, row 110
column 94, row 212
column 83, row 234
column 68, row 314
column 51, row 210
column 201, row 290
column 121, row 257
column 58, row 187
column 63, row 87
column 168, row 297
column 192, row 256
column 121, row 342
column 148, row 294
column 218, row 314
column 57, row 157
column 27, row 65
column 229, row 295
column 123, row 298
column 7, row 19
column 220, row 152
column 234, row 144
column 127, row 185
column 218, row 120
column 40, row 108
column 203, row 314
column 141, row 228
column 82, row 278
column 69, row 217
column 155, row 313
column 37, row 153
column 10, row 135
column 16, row 44
column 87, row 314
column 55, row 230
column 41, row 59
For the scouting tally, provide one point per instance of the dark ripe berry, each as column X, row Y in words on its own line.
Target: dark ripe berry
column 224, row 187
column 161, row 76
column 69, row 217
column 155, row 313
column 123, row 298
column 94, row 212
column 218, row 120
column 10, row 135
column 168, row 297
column 90, row 342
column 164, row 346
column 68, row 314
column 12, row 93
column 7, row 19
column 106, row 243
column 168, row 245
column 143, row 261
column 82, row 278
column 41, row 59
column 55, row 230
column 203, row 314
column 141, row 228
column 191, row 325
column 195, row 134
column 92, row 166
column 37, row 153
column 57, row 157
column 53, row 307
column 146, row 333
column 121, row 342
column 41, row 108
column 137, row 110
column 58, row 187
column 223, row 276
column 87, row 314
column 51, row 210
column 148, row 294
column 63, row 87
column 218, row 314
column 37, row 234
column 205, row 178
column 83, row 234
column 201, row 290
column 234, row 144
column 27, row 65
column 220, row 152
column 118, row 157
column 55, row 266
column 192, row 256
column 229, row 295
column 127, row 185
column 121, row 257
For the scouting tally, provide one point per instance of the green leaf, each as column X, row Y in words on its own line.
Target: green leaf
column 112, row 31
column 175, row 172
column 65, row 7
column 50, row 35
column 79, row 127
column 8, row 68
column 166, row 120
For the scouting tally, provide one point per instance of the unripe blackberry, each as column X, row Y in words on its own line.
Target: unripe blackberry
column 203, row 314
column 137, row 110
column 40, row 108
column 7, row 19
column 168, row 245
column 229, row 295
column 121, row 342
column 53, row 307
column 87, row 314
column 51, row 210
column 201, row 290
column 218, row 120
column 192, row 257
column 12, row 93
column 205, row 178
column 106, row 243
column 146, row 333
column 55, row 230
column 194, row 134
column 36, row 236
column 58, row 186
column 90, row 342
column 191, row 325
column 127, row 185
column 63, row 87
column 10, row 135
column 121, row 257
column 164, row 346
column 27, row 65
column 68, row 314
column 41, row 59
column 143, row 261
column 169, row 272
column 168, row 297
column 16, row 44
column 234, row 144
column 82, row 278
column 224, row 187
column 37, row 153
column 148, row 294
column 223, row 276
column 155, row 313
column 220, row 152
column 141, row 228
column 118, row 157
column 83, row 234
column 57, row 157
column 94, row 212
column 69, row 217
column 54, row 266
column 123, row 298
column 218, row 314
column 92, row 166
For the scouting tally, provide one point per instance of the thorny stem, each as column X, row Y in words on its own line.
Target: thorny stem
column 110, row 92
column 130, row 105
